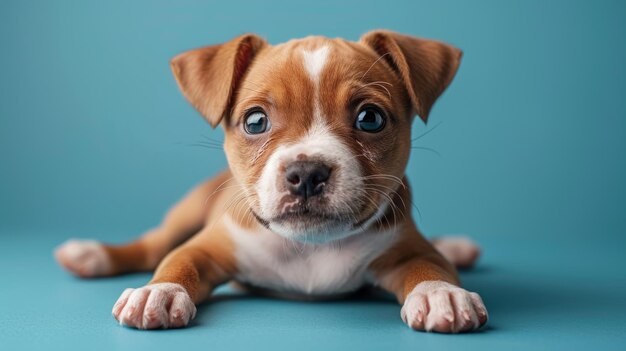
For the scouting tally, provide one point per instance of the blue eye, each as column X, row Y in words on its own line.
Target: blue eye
column 256, row 123
column 370, row 120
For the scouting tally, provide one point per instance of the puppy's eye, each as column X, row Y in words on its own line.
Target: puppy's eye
column 370, row 120
column 256, row 122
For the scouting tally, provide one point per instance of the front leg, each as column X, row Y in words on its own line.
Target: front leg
column 186, row 277
column 428, row 288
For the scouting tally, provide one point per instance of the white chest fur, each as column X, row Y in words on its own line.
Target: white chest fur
column 269, row 261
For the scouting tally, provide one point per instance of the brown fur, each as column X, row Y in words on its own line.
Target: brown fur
column 401, row 74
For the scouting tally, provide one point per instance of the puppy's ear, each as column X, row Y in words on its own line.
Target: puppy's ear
column 209, row 77
column 425, row 66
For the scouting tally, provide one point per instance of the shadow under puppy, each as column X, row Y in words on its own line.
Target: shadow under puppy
column 315, row 202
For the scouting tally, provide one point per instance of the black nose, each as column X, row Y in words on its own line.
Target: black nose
column 306, row 178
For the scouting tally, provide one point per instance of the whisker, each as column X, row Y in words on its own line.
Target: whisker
column 262, row 149
column 207, row 147
column 378, row 85
column 382, row 82
column 427, row 132
column 378, row 59
column 391, row 203
column 254, row 90
column 426, row 149
column 419, row 212
column 384, row 176
column 212, row 140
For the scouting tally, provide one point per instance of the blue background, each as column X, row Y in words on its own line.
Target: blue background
column 95, row 142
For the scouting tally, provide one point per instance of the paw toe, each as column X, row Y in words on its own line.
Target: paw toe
column 440, row 325
column 414, row 311
column 153, row 319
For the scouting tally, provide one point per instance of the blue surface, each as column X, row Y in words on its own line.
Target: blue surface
column 95, row 141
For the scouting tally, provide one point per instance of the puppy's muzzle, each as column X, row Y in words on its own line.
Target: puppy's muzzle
column 306, row 179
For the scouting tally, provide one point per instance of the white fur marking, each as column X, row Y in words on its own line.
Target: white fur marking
column 270, row 261
column 147, row 307
column 314, row 62
column 317, row 142
column 458, row 250
column 86, row 258
column 443, row 307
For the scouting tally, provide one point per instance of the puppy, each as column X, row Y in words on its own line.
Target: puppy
column 315, row 203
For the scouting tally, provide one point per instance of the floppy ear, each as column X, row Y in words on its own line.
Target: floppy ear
column 425, row 66
column 209, row 77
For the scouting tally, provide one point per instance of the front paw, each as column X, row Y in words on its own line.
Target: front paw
column 156, row 306
column 442, row 307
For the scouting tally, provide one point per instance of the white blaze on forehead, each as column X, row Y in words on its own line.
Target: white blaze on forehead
column 314, row 62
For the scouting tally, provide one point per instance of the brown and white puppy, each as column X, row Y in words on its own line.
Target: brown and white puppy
column 315, row 202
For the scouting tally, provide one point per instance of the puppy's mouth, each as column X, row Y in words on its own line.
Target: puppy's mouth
column 307, row 215
column 310, row 225
column 302, row 216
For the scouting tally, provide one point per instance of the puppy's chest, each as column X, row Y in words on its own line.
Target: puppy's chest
column 266, row 260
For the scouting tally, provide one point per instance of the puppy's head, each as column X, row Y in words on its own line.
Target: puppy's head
column 317, row 130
